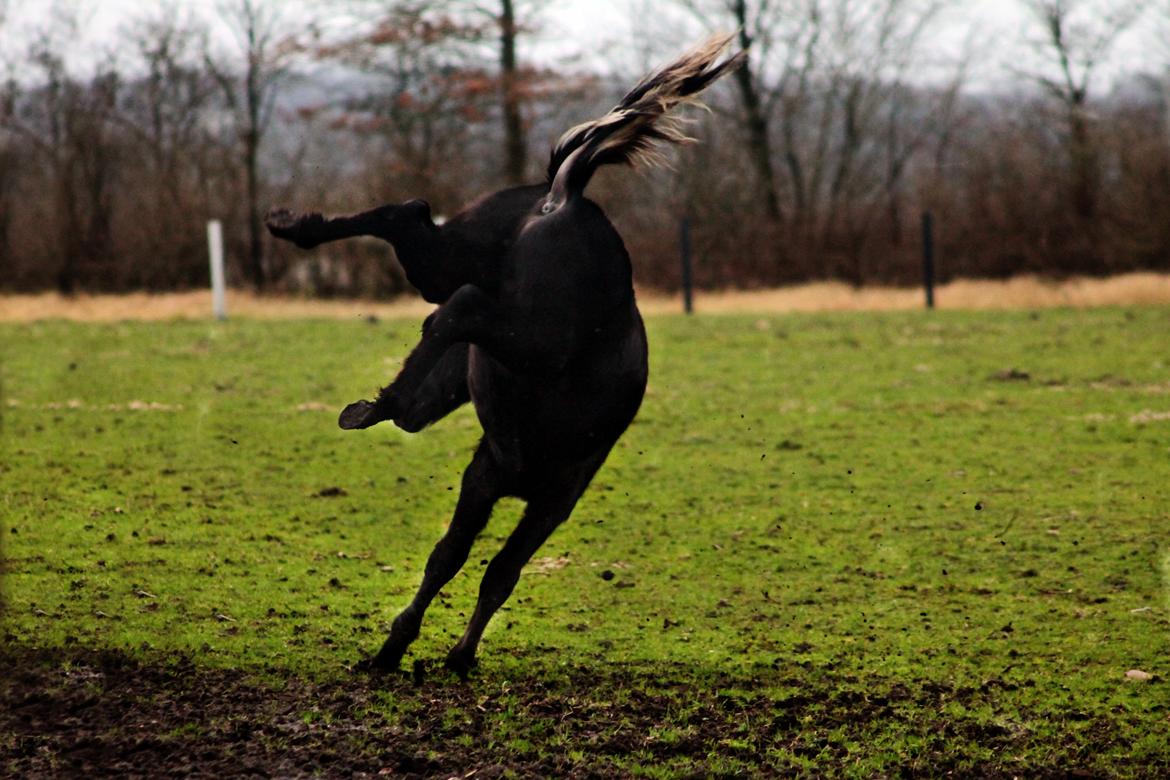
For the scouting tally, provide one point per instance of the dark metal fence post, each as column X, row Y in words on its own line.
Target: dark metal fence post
column 684, row 242
column 928, row 257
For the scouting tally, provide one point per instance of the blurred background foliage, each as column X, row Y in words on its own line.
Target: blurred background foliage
column 816, row 161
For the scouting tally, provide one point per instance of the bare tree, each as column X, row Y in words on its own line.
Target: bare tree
column 1162, row 39
column 65, row 123
column 830, row 119
column 250, row 83
column 515, row 144
column 758, row 24
column 427, row 89
column 451, row 84
column 511, row 19
column 506, row 16
column 757, row 116
column 164, row 114
column 883, row 120
column 7, row 158
column 1077, row 38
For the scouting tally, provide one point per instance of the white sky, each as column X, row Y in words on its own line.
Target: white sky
column 599, row 32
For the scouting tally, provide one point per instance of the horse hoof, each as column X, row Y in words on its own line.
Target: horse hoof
column 359, row 414
column 366, row 666
column 291, row 226
column 376, row 665
column 460, row 665
column 280, row 220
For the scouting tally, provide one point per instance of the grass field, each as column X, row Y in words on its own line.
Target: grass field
column 857, row 544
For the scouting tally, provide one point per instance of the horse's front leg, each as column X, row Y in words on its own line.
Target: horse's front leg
column 443, row 390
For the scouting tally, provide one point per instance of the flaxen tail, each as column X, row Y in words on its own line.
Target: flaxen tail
column 631, row 131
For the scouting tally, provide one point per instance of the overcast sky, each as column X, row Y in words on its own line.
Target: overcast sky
column 588, row 30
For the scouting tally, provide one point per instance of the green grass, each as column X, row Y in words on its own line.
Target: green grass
column 860, row 540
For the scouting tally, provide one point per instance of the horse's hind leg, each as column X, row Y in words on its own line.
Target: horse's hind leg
column 480, row 490
column 313, row 229
column 545, row 511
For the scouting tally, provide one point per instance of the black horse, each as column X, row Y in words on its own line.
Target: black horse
column 537, row 325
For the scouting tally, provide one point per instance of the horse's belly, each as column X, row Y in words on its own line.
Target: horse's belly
column 532, row 420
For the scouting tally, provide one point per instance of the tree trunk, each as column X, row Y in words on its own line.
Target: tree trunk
column 514, row 140
column 255, row 262
column 759, row 144
column 69, row 223
column 1084, row 167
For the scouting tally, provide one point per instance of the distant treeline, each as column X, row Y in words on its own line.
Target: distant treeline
column 817, row 161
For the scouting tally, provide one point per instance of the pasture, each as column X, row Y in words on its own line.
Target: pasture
column 853, row 544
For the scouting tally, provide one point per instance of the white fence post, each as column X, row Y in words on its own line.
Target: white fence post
column 215, row 247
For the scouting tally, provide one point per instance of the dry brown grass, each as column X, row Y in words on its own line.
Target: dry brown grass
column 195, row 305
column 1024, row 292
column 1020, row 293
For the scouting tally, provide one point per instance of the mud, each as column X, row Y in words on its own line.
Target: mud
column 77, row 713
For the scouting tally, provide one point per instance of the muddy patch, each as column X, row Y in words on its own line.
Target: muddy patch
column 78, row 713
